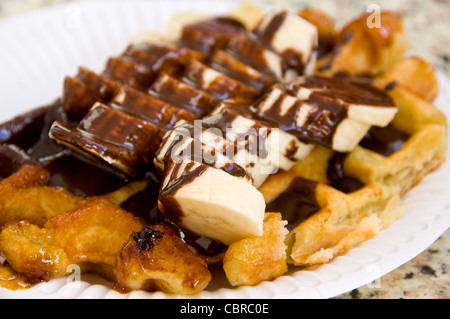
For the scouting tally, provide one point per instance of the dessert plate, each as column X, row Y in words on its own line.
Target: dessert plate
column 40, row 48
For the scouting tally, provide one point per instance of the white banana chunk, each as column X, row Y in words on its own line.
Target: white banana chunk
column 249, row 51
column 178, row 146
column 200, row 199
column 244, row 147
column 311, row 123
column 348, row 134
column 230, row 65
column 283, row 149
column 294, row 38
column 364, row 103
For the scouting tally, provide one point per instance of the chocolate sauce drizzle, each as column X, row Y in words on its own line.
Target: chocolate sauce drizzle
column 337, row 176
column 296, row 203
column 385, row 141
column 146, row 239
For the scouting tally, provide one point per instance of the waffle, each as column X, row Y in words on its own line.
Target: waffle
column 343, row 220
column 324, row 200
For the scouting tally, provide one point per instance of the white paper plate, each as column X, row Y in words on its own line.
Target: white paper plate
column 40, row 48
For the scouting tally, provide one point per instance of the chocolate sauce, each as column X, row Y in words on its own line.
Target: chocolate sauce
column 23, row 130
column 44, row 147
column 337, row 176
column 147, row 238
column 266, row 35
column 177, row 180
column 68, row 170
column 234, row 68
column 160, row 58
column 348, row 90
column 297, row 203
column 391, row 85
column 320, row 124
column 205, row 36
column 11, row 158
column 326, row 44
column 223, row 87
column 83, row 177
column 328, row 106
column 384, row 140
column 248, row 50
column 130, row 73
column 205, row 246
column 334, row 50
column 292, row 59
column 198, row 152
column 149, row 108
column 145, row 203
column 103, row 87
column 182, row 95
column 88, row 87
column 253, row 140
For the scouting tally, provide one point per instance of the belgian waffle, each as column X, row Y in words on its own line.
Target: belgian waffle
column 124, row 115
column 346, row 217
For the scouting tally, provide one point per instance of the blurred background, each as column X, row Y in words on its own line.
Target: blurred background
column 426, row 21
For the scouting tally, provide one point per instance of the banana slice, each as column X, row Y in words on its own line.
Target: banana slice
column 182, row 95
column 106, row 133
column 178, row 145
column 247, row 146
column 324, row 111
column 295, row 39
column 199, row 198
column 310, row 122
column 217, row 83
column 348, row 134
column 364, row 103
column 229, row 65
column 248, row 50
column 283, row 148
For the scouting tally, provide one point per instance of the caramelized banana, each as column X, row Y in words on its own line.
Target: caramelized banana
column 363, row 49
column 92, row 234
column 24, row 196
column 156, row 259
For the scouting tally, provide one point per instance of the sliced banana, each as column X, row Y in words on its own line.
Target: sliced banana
column 293, row 38
column 348, row 134
column 364, row 103
column 179, row 146
column 283, row 148
column 248, row 50
column 333, row 112
column 211, row 202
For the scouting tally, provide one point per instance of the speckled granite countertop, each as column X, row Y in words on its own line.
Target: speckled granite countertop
column 427, row 275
